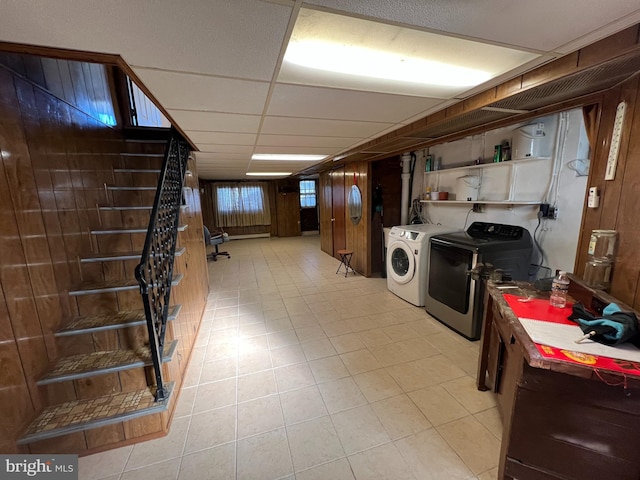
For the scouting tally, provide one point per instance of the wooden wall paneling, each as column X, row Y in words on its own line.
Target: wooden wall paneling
column 13, row 62
column 52, row 79
column 626, row 274
column 288, row 208
column 93, row 387
column 617, row 209
column 149, row 425
column 15, row 399
column 357, row 235
column 104, row 436
column 339, row 210
column 35, row 361
column 55, row 393
column 325, row 212
column 67, row 83
column 80, row 92
column 33, row 69
column 66, row 444
column 273, row 208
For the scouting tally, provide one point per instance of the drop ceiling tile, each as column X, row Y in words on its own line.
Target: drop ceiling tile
column 216, row 122
column 200, row 92
column 240, row 169
column 240, row 38
column 328, row 103
column 221, row 138
column 297, row 150
column 223, row 156
column 279, row 166
column 224, row 164
column 543, row 25
column 215, row 148
column 303, row 141
column 320, row 127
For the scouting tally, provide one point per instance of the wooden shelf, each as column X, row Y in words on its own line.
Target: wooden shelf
column 484, row 202
column 485, row 165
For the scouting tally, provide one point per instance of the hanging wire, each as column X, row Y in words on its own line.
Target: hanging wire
column 538, row 265
column 464, row 227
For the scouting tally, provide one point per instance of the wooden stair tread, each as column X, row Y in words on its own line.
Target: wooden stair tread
column 89, row 288
column 80, row 415
column 126, row 189
column 137, row 170
column 119, row 230
column 131, row 207
column 100, row 363
column 117, row 256
column 156, row 155
column 110, row 321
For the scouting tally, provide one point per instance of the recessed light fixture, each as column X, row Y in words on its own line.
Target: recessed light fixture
column 288, row 157
column 268, row 174
column 368, row 62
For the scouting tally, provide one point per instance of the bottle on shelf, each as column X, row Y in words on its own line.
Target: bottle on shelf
column 505, row 153
column 497, row 154
column 428, row 165
column 559, row 290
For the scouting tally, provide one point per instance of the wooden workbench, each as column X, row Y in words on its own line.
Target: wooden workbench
column 561, row 419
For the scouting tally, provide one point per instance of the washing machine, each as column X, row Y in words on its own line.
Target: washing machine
column 407, row 260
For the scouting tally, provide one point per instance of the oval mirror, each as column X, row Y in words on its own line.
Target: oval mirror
column 354, row 203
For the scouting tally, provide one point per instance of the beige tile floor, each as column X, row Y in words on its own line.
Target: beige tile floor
column 299, row 373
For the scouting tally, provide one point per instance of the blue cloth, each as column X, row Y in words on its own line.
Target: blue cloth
column 612, row 328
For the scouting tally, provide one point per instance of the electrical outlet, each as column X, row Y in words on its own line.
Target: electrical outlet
column 544, row 210
column 547, row 211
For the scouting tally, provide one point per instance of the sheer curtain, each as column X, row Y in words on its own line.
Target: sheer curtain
column 241, row 204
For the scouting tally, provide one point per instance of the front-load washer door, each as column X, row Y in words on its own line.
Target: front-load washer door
column 402, row 263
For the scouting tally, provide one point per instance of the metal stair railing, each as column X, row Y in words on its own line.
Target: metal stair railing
column 155, row 270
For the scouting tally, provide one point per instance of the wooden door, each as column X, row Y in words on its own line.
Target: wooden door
column 338, row 210
column 326, row 213
column 288, row 207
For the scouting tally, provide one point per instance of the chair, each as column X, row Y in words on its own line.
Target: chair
column 215, row 239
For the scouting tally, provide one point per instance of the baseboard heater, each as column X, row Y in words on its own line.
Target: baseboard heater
column 250, row 235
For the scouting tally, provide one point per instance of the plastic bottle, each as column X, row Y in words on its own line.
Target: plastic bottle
column 559, row 290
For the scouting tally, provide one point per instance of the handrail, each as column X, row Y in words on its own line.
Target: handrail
column 155, row 270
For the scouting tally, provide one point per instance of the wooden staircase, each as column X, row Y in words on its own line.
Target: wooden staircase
column 103, row 376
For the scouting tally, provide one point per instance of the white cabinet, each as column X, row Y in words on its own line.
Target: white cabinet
column 516, row 182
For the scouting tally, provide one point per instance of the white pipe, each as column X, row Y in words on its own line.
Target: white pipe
column 404, row 198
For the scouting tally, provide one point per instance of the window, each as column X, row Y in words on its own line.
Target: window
column 308, row 193
column 241, row 204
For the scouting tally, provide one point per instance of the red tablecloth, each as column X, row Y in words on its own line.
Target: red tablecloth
column 538, row 309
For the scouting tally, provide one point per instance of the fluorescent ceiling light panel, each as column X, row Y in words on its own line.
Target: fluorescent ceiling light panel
column 268, row 174
column 287, row 157
column 333, row 50
column 368, row 62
